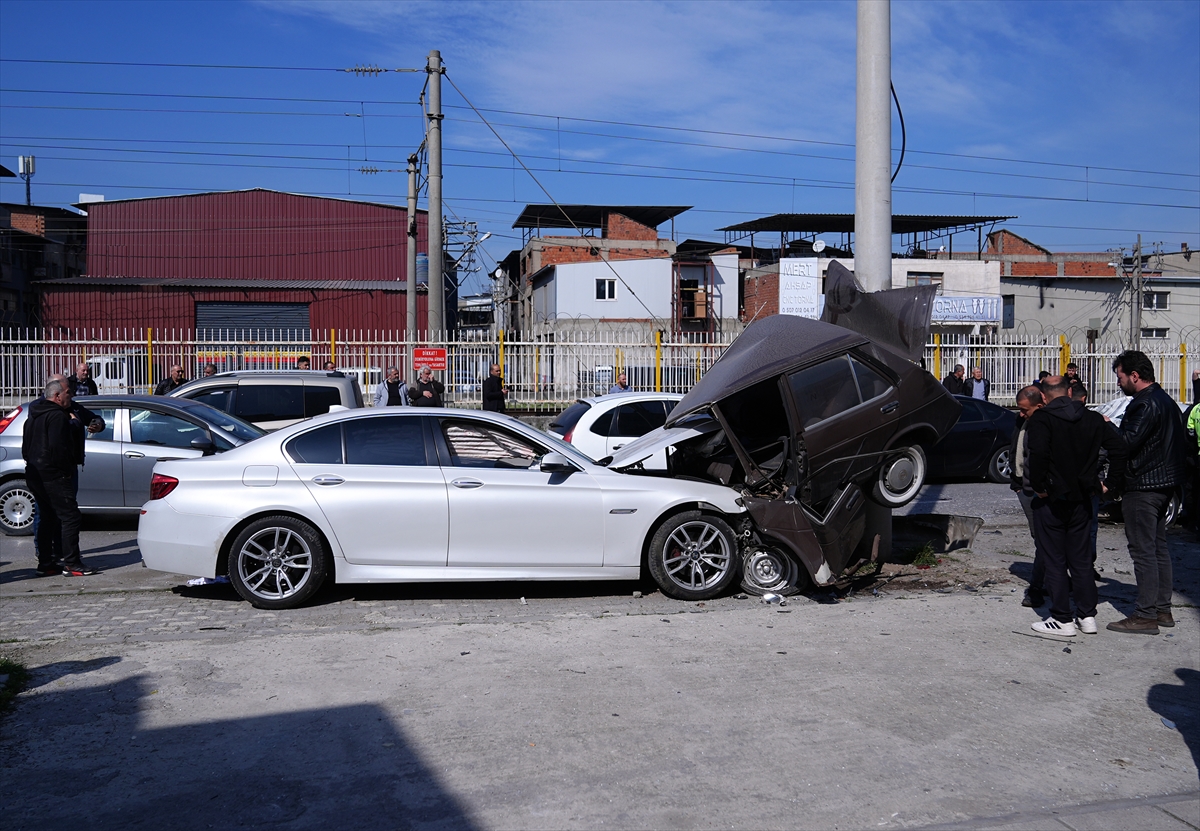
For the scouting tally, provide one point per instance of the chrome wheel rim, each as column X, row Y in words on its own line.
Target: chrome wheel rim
column 766, row 570
column 275, row 563
column 1003, row 464
column 696, row 555
column 16, row 509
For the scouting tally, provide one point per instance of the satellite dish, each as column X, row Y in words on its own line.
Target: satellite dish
column 819, row 246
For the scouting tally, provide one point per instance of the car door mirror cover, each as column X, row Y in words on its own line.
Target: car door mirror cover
column 556, row 463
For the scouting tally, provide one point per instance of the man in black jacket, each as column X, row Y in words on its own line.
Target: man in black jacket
column 52, row 447
column 1029, row 401
column 81, row 382
column 494, row 390
column 1065, row 439
column 954, row 381
column 427, row 392
column 1154, row 432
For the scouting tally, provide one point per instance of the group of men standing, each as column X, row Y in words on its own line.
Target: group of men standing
column 974, row 387
column 1064, row 458
column 427, row 391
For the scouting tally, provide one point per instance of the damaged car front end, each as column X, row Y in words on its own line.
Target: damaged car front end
column 808, row 420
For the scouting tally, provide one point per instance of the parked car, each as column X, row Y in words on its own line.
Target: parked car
column 423, row 494
column 977, row 445
column 602, row 425
column 274, row 398
column 139, row 431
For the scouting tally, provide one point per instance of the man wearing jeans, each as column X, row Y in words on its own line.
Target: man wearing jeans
column 1154, row 434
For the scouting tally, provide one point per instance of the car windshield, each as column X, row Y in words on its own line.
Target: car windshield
column 240, row 430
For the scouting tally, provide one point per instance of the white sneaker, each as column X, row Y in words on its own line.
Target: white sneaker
column 1050, row 626
column 1087, row 625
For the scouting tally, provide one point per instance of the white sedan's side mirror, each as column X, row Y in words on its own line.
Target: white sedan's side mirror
column 557, row 463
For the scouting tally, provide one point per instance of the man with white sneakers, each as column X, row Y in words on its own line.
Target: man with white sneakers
column 1065, row 439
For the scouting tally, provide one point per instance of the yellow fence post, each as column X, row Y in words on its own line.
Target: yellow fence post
column 658, row 360
column 149, row 360
column 333, row 346
column 1064, row 354
column 500, row 350
column 937, row 354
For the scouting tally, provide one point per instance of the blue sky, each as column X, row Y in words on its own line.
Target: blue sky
column 1080, row 118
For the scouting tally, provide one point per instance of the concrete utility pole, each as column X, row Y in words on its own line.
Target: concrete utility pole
column 411, row 265
column 437, row 289
column 1135, row 336
column 873, row 147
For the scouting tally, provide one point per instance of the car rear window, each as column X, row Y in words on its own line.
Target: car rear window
column 317, row 447
column 569, row 417
column 318, row 399
column 269, row 402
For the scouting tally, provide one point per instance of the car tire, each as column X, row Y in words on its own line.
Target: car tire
column 278, row 562
column 768, row 570
column 16, row 508
column 693, row 556
column 900, row 478
column 1000, row 467
column 1174, row 509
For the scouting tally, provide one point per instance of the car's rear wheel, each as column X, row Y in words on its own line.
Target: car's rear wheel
column 900, row 478
column 769, row 570
column 16, row 508
column 1000, row 466
column 693, row 556
column 278, row 562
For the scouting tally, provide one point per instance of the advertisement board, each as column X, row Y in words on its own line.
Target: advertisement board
column 800, row 287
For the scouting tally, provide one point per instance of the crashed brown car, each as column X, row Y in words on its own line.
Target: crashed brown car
column 808, row 420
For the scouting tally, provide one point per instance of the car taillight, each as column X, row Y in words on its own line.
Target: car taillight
column 9, row 419
column 161, row 485
column 567, row 437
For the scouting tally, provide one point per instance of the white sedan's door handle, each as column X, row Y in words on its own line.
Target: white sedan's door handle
column 133, row 454
column 467, row 484
column 617, row 446
column 328, row 480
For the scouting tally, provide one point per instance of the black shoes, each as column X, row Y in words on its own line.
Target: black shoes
column 1033, row 598
column 79, row 570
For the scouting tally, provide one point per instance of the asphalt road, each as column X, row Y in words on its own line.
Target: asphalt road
column 558, row 705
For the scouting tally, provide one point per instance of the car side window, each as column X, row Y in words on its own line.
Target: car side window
column 824, row 390
column 109, row 414
column 602, row 426
column 639, row 418
column 269, row 402
column 220, row 398
column 149, row 427
column 318, row 399
column 971, row 412
column 475, row 444
column 870, row 383
column 322, row 446
column 386, row 440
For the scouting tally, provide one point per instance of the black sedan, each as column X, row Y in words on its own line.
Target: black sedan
column 978, row 445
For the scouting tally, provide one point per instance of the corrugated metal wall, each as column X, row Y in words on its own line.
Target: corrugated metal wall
column 254, row 234
column 78, row 309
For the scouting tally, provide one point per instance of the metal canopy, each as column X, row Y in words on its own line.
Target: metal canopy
column 594, row 216
column 844, row 223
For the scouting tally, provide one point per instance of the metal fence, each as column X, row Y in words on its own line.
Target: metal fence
column 544, row 375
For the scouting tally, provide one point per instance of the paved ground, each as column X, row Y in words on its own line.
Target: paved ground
column 556, row 705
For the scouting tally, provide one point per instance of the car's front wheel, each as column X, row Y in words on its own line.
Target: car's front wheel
column 768, row 570
column 1000, row 466
column 693, row 556
column 16, row 508
column 900, row 478
column 278, row 562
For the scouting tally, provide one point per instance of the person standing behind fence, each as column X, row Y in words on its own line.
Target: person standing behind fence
column 494, row 390
column 1029, row 401
column 1154, row 432
column 52, row 446
column 171, row 382
column 977, row 386
column 210, row 370
column 622, row 384
column 392, row 392
column 1072, row 373
column 954, row 381
column 1065, row 439
column 427, row 392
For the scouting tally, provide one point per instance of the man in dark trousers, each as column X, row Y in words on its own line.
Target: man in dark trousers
column 52, row 446
column 1065, row 439
column 494, row 390
column 1153, row 430
column 81, row 382
column 1029, row 401
column 427, row 392
column 954, row 381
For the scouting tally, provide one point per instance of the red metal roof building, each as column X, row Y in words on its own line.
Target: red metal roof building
column 239, row 259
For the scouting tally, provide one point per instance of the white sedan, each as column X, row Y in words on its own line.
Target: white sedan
column 410, row 495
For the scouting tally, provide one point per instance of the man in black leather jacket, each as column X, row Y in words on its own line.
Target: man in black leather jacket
column 1154, row 434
